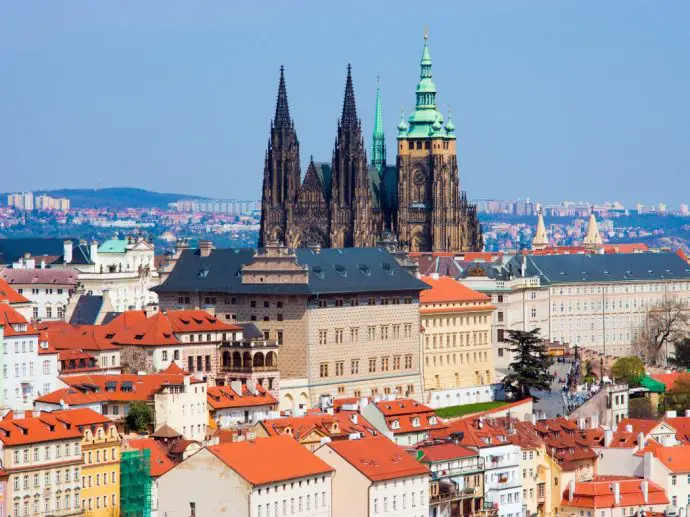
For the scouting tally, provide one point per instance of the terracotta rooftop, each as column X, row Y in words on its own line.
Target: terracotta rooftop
column 223, row 397
column 8, row 294
column 337, row 426
column 598, row 493
column 34, row 428
column 270, row 460
column 436, row 452
column 160, row 461
column 379, row 459
column 447, row 290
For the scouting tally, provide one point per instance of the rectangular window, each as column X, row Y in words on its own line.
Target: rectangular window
column 354, row 366
column 408, row 361
column 354, row 334
column 323, row 337
column 372, row 365
column 323, row 370
column 279, row 337
column 396, row 362
column 338, row 336
column 372, row 333
column 339, row 368
column 384, row 364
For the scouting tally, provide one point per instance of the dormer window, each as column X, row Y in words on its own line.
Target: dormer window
column 395, row 424
column 432, row 420
column 415, row 422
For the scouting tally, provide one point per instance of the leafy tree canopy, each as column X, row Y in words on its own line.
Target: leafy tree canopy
column 140, row 416
column 629, row 370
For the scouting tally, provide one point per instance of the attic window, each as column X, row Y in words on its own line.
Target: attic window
column 203, row 272
column 387, row 268
column 364, row 269
column 395, row 424
column 340, row 269
column 139, row 336
column 317, row 271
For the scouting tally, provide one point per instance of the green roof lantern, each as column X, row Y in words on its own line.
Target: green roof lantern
column 426, row 121
column 450, row 127
column 402, row 126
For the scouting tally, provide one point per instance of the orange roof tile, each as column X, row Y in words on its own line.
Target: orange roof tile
column 11, row 320
column 436, row 452
column 7, row 293
column 598, row 493
column 379, row 458
column 676, row 459
column 270, row 460
column 405, row 411
column 160, row 461
column 81, row 417
column 224, row 397
column 34, row 428
column 446, row 290
column 337, row 426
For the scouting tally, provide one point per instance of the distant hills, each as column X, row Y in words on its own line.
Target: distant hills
column 115, row 197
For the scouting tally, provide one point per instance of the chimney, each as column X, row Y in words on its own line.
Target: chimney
column 645, row 491
column 581, row 423
column 671, row 414
column 236, row 386
column 628, row 428
column 523, row 266
column 434, row 276
column 616, row 488
column 571, row 490
column 363, row 402
column 93, row 251
column 687, row 412
column 354, row 418
column 67, row 251
column 608, row 437
column 640, row 440
column 205, row 248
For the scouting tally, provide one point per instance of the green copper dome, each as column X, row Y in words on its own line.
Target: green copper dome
column 426, row 120
column 450, row 127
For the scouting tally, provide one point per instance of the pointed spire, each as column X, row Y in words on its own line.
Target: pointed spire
column 282, row 118
column 540, row 240
column 349, row 117
column 593, row 237
column 378, row 144
column 426, row 55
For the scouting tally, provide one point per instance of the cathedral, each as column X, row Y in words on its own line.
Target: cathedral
column 352, row 201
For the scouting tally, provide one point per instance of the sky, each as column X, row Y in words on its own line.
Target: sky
column 581, row 100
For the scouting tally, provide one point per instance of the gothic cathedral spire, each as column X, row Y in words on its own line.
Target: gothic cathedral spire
column 378, row 142
column 281, row 172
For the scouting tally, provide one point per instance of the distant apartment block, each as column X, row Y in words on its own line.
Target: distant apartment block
column 222, row 206
column 27, row 201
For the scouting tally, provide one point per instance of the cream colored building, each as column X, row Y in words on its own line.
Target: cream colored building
column 346, row 321
column 456, row 342
column 375, row 477
column 267, row 476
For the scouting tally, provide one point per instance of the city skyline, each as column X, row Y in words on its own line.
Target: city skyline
column 526, row 112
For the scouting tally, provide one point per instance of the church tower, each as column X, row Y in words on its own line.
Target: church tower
column 281, row 173
column 540, row 239
column 351, row 216
column 378, row 141
column 429, row 206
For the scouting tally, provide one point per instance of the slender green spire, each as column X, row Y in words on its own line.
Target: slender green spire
column 378, row 142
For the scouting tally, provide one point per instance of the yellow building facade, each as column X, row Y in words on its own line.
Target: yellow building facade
column 456, row 335
column 101, row 471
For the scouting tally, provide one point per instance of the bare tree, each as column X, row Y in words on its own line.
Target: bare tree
column 665, row 324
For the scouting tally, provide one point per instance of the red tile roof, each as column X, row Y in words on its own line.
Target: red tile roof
column 160, row 461
column 270, row 460
column 88, row 389
column 338, row 426
column 11, row 320
column 405, row 411
column 7, row 293
column 30, row 429
column 676, row 459
column 436, row 452
column 447, row 290
column 379, row 459
column 63, row 336
column 81, row 417
column 224, row 397
column 598, row 493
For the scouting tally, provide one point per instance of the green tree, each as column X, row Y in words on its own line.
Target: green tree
column 678, row 397
column 530, row 370
column 140, row 416
column 681, row 357
column 590, row 376
column 641, row 407
column 629, row 370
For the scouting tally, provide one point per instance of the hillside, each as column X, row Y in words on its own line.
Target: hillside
column 116, row 197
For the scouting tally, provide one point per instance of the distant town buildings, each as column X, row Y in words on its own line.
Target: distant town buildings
column 27, row 201
column 220, row 206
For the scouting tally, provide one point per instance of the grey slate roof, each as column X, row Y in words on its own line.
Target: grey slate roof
column 615, row 267
column 348, row 270
column 11, row 250
column 87, row 309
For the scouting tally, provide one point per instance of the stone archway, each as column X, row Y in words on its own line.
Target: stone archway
column 419, row 241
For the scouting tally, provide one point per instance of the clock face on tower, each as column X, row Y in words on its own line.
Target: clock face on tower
column 419, row 178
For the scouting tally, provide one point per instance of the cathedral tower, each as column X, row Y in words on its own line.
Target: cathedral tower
column 351, row 218
column 429, row 206
column 281, row 172
column 378, row 141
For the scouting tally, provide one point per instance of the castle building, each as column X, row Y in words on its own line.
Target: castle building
column 353, row 202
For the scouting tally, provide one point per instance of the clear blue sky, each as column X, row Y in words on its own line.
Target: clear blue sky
column 552, row 99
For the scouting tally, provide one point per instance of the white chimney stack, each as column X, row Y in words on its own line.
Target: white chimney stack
column 628, row 428
column 571, row 490
column 608, row 437
column 640, row 440
column 645, row 491
column 67, row 251
column 671, row 414
column 616, row 487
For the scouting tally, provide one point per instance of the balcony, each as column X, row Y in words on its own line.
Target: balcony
column 463, row 469
column 450, row 492
column 248, row 369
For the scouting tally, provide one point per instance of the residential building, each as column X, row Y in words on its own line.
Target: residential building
column 240, row 404
column 458, row 362
column 346, row 320
column 258, row 478
column 406, row 420
column 145, row 460
column 376, row 477
column 100, row 473
column 177, row 398
column 48, row 289
column 669, row 467
column 42, row 455
column 29, row 364
column 313, row 429
column 457, row 478
column 612, row 496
